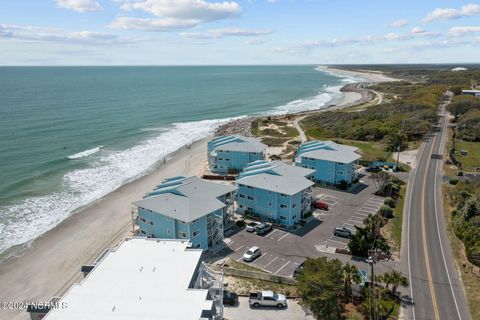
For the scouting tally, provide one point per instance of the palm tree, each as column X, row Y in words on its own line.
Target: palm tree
column 373, row 223
column 397, row 280
column 350, row 275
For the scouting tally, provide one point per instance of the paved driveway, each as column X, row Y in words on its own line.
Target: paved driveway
column 243, row 312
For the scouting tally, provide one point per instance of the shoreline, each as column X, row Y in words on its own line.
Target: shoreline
column 51, row 263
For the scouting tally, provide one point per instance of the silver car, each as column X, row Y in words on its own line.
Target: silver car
column 252, row 254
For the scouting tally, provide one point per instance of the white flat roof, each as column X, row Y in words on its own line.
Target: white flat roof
column 142, row 278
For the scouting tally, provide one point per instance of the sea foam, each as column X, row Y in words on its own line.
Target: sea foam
column 85, row 153
column 24, row 221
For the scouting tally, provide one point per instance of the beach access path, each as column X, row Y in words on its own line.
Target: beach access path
column 53, row 262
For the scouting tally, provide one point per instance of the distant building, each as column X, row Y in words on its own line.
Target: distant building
column 186, row 208
column 275, row 191
column 331, row 161
column 475, row 93
column 232, row 153
column 144, row 279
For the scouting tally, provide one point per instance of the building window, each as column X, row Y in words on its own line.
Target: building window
column 195, row 221
column 241, row 206
column 283, row 195
column 283, row 218
column 182, row 235
column 227, row 159
column 294, row 205
column 142, row 232
column 150, row 223
column 283, row 206
column 182, row 222
column 249, row 208
column 142, row 219
column 294, row 217
column 270, row 204
column 249, row 187
column 241, row 195
column 195, row 233
column 168, row 218
column 249, row 198
column 339, row 172
column 168, row 231
column 220, row 159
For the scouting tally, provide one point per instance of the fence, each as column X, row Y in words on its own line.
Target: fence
column 257, row 275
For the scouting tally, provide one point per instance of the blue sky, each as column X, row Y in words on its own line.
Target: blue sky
column 179, row 32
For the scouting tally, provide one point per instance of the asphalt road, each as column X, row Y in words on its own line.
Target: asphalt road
column 435, row 287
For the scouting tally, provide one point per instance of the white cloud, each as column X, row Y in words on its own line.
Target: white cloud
column 417, row 30
column 227, row 32
column 40, row 34
column 240, row 32
column 173, row 14
column 399, row 23
column 199, row 10
column 80, row 5
column 145, row 24
column 460, row 31
column 255, row 42
column 468, row 10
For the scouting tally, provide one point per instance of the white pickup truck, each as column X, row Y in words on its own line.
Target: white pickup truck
column 267, row 299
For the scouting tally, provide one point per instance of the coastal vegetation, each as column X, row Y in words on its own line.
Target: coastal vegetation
column 394, row 124
column 332, row 290
column 465, row 199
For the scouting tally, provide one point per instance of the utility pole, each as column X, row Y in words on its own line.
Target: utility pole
column 372, row 259
column 398, row 156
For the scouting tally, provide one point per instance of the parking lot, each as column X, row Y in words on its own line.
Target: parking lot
column 283, row 251
column 243, row 312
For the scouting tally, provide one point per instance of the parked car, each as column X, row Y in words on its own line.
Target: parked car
column 298, row 269
column 263, row 228
column 373, row 169
column 342, row 232
column 251, row 227
column 267, row 299
column 317, row 204
column 230, row 298
column 252, row 254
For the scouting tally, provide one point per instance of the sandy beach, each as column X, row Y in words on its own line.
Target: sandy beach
column 371, row 76
column 53, row 262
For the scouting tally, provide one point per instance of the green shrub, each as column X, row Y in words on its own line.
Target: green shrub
column 389, row 202
column 453, row 181
column 240, row 223
column 386, row 211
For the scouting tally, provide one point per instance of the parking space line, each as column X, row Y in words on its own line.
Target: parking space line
column 239, row 248
column 274, row 230
column 240, row 258
column 282, row 267
column 336, row 241
column 286, row 234
column 270, row 263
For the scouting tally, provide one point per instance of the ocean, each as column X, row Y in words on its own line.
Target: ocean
column 70, row 135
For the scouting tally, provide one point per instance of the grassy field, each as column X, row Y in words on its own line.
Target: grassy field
column 472, row 160
column 393, row 229
column 371, row 151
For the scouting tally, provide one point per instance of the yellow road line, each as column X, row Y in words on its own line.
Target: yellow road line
column 424, row 236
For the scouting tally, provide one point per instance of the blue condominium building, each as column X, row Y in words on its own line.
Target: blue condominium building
column 186, row 208
column 230, row 154
column 332, row 162
column 275, row 191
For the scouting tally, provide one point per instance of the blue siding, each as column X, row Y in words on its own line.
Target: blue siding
column 169, row 228
column 329, row 172
column 272, row 206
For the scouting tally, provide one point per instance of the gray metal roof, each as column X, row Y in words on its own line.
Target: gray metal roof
column 192, row 199
column 342, row 155
column 288, row 185
column 288, row 171
column 248, row 145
